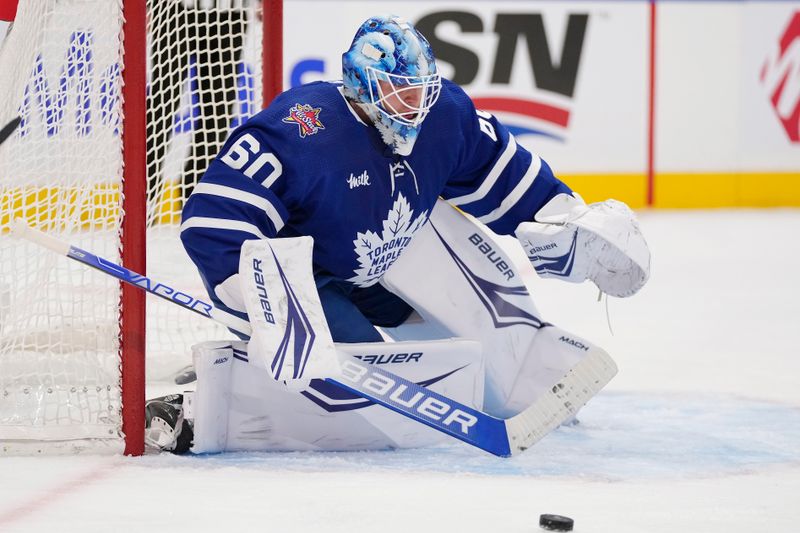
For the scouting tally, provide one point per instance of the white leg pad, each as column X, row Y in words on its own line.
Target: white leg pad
column 551, row 355
column 461, row 280
column 213, row 362
column 239, row 407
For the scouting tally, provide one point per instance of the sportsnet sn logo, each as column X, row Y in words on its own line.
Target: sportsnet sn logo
column 780, row 76
column 306, row 118
column 487, row 78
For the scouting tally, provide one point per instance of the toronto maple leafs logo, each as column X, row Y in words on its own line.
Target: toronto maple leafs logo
column 306, row 117
column 376, row 253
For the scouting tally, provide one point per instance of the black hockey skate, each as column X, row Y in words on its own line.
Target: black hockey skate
column 165, row 427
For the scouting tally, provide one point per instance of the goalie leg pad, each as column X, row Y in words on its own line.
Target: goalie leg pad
column 239, row 407
column 551, row 356
column 213, row 363
column 462, row 281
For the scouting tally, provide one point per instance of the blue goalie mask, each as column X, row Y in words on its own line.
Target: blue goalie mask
column 390, row 72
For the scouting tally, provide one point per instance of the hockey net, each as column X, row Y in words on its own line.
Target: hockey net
column 62, row 173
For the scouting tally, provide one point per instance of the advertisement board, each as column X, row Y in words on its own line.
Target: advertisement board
column 569, row 79
column 727, row 121
column 712, row 120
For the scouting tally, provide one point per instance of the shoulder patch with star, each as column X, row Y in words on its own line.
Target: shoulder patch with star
column 306, row 118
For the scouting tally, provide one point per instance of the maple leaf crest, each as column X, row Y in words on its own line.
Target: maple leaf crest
column 375, row 252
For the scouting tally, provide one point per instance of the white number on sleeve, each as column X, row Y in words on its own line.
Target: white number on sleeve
column 238, row 157
column 486, row 126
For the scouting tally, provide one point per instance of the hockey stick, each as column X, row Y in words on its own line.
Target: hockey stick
column 8, row 129
column 501, row 437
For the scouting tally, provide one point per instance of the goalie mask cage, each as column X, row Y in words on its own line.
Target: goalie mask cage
column 123, row 104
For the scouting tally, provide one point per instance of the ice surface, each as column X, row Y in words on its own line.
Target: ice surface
column 700, row 431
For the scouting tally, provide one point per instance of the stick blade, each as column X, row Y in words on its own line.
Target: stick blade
column 562, row 401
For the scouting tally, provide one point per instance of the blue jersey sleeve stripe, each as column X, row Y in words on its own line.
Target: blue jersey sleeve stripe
column 516, row 193
column 491, row 178
column 235, row 194
column 221, row 223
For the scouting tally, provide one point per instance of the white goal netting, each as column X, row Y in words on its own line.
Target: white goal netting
column 61, row 172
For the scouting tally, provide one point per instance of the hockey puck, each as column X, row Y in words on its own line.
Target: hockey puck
column 554, row 522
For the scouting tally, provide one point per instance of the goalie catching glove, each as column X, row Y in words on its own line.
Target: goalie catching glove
column 601, row 242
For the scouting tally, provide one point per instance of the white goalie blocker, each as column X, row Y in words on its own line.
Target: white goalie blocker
column 495, row 352
column 290, row 336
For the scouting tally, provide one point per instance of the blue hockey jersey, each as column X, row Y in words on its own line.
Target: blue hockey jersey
column 308, row 165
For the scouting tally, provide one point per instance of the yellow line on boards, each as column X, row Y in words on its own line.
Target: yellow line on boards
column 692, row 190
column 79, row 207
column 751, row 189
column 58, row 208
column 628, row 188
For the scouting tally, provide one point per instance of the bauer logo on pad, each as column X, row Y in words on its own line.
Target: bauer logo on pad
column 306, row 118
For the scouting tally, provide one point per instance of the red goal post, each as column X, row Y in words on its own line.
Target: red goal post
column 123, row 103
